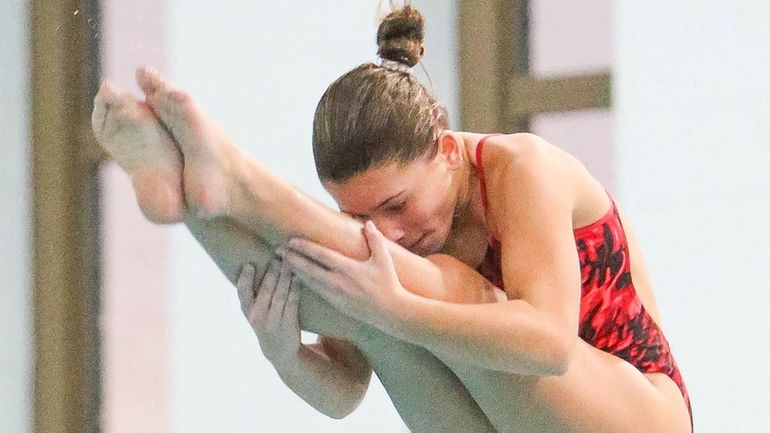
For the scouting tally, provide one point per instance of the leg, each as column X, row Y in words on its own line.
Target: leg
column 225, row 182
column 413, row 377
column 599, row 393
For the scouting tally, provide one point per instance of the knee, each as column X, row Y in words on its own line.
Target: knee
column 462, row 283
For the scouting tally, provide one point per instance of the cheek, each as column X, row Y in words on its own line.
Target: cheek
column 431, row 206
column 428, row 212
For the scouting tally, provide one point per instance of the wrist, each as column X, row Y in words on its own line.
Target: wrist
column 287, row 364
column 406, row 314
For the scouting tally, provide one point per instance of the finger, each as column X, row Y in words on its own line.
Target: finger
column 310, row 271
column 332, row 292
column 280, row 295
column 323, row 282
column 253, row 315
column 291, row 310
column 327, row 257
column 245, row 286
column 267, row 286
column 377, row 243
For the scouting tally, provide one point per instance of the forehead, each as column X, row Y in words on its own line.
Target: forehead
column 363, row 192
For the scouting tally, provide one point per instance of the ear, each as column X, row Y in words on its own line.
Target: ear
column 450, row 148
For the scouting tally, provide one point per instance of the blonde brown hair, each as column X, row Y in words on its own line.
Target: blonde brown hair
column 374, row 114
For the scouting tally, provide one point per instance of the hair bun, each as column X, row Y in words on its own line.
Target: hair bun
column 400, row 36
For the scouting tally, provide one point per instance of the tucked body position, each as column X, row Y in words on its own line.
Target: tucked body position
column 488, row 279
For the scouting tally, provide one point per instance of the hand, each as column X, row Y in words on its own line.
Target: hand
column 272, row 311
column 368, row 291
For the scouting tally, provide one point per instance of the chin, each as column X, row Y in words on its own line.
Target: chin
column 423, row 251
column 434, row 241
column 432, row 246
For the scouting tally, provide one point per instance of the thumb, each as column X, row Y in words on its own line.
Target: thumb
column 377, row 243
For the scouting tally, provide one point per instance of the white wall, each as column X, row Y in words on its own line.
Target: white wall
column 693, row 171
column 15, row 198
column 568, row 38
column 260, row 68
column 135, row 263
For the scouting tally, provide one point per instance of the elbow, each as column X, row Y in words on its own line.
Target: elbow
column 346, row 407
column 561, row 356
column 338, row 414
column 558, row 367
column 341, row 410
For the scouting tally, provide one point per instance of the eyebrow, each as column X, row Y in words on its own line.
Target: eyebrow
column 384, row 202
column 393, row 197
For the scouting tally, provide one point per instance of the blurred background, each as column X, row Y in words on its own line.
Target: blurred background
column 109, row 323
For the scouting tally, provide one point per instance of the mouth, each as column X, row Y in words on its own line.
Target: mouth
column 417, row 243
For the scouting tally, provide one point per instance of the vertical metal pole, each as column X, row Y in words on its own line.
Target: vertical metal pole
column 65, row 160
column 494, row 48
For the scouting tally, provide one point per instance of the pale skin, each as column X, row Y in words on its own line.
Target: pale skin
column 520, row 358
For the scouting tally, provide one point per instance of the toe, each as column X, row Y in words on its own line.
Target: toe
column 108, row 92
column 108, row 99
column 160, row 94
column 175, row 109
column 149, row 80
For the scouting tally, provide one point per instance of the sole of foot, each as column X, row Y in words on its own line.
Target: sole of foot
column 205, row 146
column 129, row 131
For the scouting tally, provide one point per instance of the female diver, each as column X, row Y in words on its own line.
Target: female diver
column 572, row 344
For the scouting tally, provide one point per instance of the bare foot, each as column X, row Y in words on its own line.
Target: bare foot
column 208, row 150
column 130, row 132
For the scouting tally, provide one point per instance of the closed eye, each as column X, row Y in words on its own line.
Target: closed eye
column 397, row 207
column 354, row 216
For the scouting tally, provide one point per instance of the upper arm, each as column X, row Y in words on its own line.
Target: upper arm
column 531, row 200
column 347, row 354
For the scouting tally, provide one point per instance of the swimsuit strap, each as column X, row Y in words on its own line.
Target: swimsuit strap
column 480, row 169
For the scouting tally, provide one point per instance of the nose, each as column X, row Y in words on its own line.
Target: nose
column 391, row 228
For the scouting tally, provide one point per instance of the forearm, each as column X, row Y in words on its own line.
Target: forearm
column 489, row 331
column 328, row 385
column 507, row 336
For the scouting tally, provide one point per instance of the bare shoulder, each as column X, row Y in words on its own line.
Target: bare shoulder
column 526, row 153
column 519, row 144
column 524, row 159
column 527, row 167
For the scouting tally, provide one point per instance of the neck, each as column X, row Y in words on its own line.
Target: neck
column 469, row 209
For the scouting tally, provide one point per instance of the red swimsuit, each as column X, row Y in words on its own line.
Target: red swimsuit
column 612, row 318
